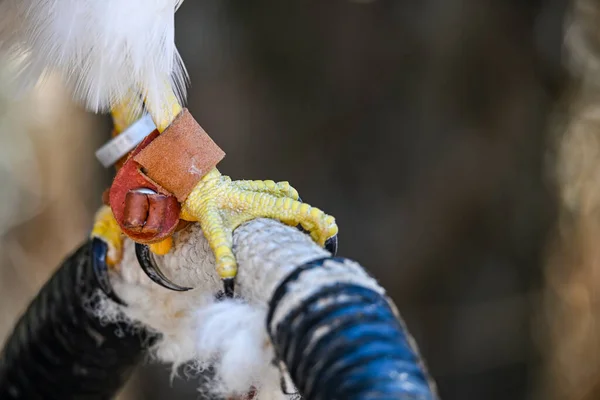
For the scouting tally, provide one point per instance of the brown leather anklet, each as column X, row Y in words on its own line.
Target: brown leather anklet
column 159, row 174
column 180, row 157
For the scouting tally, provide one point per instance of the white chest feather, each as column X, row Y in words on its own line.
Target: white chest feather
column 102, row 48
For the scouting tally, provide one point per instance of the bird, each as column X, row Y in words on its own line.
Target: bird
column 120, row 57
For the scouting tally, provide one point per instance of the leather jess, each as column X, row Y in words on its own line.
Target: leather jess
column 148, row 190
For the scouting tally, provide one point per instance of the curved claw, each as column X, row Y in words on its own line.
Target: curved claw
column 228, row 287
column 98, row 255
column 144, row 257
column 331, row 245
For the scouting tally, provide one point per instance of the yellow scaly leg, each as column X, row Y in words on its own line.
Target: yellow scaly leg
column 107, row 229
column 105, row 225
column 220, row 205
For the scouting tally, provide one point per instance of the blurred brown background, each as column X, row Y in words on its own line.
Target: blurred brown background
column 423, row 126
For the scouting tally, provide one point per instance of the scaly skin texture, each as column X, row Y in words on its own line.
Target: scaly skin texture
column 220, row 205
column 107, row 229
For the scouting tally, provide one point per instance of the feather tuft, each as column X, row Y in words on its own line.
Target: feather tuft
column 104, row 50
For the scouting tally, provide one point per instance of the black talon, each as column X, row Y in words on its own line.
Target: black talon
column 229, row 287
column 98, row 254
column 144, row 257
column 331, row 245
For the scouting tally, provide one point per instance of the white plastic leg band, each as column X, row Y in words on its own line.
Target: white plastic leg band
column 122, row 144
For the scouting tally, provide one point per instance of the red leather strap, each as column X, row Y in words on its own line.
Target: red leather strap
column 180, row 156
column 168, row 166
column 148, row 220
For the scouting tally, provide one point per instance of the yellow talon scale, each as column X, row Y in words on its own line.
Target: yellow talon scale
column 220, row 205
column 107, row 229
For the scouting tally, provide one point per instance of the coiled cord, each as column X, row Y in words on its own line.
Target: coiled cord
column 59, row 350
column 329, row 322
column 344, row 341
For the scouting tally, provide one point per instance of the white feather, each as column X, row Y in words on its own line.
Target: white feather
column 102, row 48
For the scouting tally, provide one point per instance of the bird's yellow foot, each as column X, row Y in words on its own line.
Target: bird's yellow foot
column 107, row 229
column 220, row 205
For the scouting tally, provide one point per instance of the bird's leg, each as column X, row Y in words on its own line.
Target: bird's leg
column 105, row 227
column 106, row 236
column 219, row 205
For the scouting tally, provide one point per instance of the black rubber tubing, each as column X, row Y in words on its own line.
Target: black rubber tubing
column 60, row 350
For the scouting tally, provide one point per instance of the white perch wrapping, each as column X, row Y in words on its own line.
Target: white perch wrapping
column 199, row 330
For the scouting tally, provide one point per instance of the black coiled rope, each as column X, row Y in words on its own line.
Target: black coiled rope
column 345, row 342
column 342, row 342
column 59, row 350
